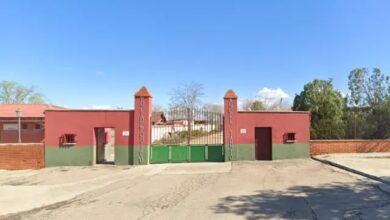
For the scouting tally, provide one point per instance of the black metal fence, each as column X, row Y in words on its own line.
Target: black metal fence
column 184, row 126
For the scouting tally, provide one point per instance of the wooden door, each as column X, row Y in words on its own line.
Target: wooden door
column 263, row 142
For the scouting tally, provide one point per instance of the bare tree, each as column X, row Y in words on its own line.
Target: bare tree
column 158, row 108
column 213, row 107
column 13, row 93
column 187, row 96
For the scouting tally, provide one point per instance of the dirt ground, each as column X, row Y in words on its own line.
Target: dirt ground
column 290, row 189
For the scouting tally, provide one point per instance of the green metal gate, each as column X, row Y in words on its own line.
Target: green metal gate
column 183, row 135
column 185, row 154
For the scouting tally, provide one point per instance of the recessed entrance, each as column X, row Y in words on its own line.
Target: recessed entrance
column 105, row 143
column 263, row 141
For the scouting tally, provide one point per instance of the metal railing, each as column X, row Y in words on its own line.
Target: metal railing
column 184, row 126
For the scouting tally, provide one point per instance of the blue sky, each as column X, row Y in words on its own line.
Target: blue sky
column 85, row 53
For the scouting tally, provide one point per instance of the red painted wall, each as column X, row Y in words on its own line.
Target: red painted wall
column 29, row 135
column 281, row 123
column 83, row 122
column 146, row 104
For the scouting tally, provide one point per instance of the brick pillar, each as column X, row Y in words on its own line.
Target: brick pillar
column 230, row 123
column 142, row 126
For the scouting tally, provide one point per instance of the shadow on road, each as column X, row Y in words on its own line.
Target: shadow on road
column 332, row 201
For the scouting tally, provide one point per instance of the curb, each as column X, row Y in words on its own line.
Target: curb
column 353, row 171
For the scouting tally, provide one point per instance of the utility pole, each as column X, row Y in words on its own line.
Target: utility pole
column 19, row 115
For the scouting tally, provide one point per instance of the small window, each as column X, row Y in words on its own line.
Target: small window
column 68, row 139
column 10, row 127
column 38, row 127
column 290, row 137
column 24, row 126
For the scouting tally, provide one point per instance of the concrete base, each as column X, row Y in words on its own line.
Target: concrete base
column 375, row 166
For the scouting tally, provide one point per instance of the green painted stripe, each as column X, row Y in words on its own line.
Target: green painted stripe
column 123, row 155
column 84, row 156
column 279, row 151
column 240, row 152
column 140, row 155
column 290, row 151
column 69, row 156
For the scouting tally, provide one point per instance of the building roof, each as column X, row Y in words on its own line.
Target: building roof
column 143, row 92
column 158, row 117
column 27, row 110
column 230, row 94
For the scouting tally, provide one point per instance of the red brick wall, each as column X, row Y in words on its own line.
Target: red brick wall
column 22, row 156
column 348, row 146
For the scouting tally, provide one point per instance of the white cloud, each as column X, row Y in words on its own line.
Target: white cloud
column 272, row 97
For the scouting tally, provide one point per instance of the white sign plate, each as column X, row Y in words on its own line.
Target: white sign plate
column 243, row 131
column 125, row 133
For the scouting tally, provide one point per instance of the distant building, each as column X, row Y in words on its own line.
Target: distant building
column 32, row 122
column 158, row 118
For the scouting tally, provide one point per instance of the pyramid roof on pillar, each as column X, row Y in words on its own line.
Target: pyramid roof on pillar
column 230, row 94
column 143, row 92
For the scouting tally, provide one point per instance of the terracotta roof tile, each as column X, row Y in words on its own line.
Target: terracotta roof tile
column 230, row 94
column 28, row 110
column 144, row 92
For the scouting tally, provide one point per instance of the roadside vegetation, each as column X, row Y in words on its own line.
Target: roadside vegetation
column 14, row 93
column 364, row 113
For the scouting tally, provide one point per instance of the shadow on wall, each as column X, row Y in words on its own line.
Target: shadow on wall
column 335, row 201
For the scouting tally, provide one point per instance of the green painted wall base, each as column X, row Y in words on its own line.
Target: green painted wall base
column 239, row 152
column 279, row 151
column 123, row 155
column 69, row 156
column 85, row 156
column 290, row 151
column 128, row 155
column 140, row 155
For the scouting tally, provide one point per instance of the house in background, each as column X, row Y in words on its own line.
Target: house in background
column 158, row 118
column 32, row 122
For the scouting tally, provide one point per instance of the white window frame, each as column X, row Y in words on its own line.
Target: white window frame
column 10, row 127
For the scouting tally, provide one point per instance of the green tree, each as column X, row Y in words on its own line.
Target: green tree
column 355, row 120
column 252, row 105
column 325, row 104
column 379, row 122
column 367, row 89
column 257, row 106
column 14, row 93
column 369, row 95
